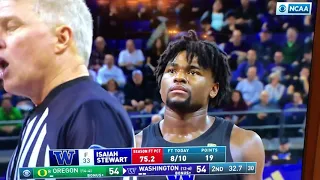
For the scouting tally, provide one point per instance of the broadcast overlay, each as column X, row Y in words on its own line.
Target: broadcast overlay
column 100, row 163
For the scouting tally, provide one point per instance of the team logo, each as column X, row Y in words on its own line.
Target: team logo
column 26, row 173
column 131, row 170
column 42, row 173
column 64, row 157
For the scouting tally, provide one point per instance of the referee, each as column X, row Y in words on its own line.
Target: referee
column 44, row 51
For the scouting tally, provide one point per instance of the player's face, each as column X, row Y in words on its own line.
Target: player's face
column 26, row 46
column 187, row 87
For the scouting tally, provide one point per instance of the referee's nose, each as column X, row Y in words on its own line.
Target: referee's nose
column 2, row 43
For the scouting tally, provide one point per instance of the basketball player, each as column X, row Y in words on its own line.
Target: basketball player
column 44, row 51
column 192, row 75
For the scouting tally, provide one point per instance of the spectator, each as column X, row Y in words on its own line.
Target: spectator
column 159, row 116
column 264, row 105
column 152, row 62
column 217, row 15
column 229, row 27
column 270, row 21
column 250, row 87
column 308, row 23
column 265, row 48
column 9, row 113
column 110, row 71
column 279, row 66
column 236, row 48
column 236, row 103
column 148, row 109
column 185, row 14
column 136, row 92
column 290, row 21
column 111, row 21
column 161, row 13
column 113, row 88
column 208, row 33
column 154, row 54
column 130, row 58
column 292, row 50
column 144, row 11
column 308, row 42
column 97, row 55
column 274, row 89
column 25, row 105
column 296, row 104
column 246, row 15
column 284, row 155
column 251, row 61
column 93, row 74
column 301, row 82
column 304, row 62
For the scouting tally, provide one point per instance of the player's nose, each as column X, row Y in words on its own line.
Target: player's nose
column 180, row 77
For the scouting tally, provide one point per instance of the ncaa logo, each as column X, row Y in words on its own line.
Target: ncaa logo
column 294, row 8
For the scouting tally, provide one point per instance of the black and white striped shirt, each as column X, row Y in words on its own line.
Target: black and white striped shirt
column 74, row 115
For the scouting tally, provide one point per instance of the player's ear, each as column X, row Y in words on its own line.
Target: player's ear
column 63, row 39
column 214, row 90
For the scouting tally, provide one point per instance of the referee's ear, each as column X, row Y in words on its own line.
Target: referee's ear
column 63, row 39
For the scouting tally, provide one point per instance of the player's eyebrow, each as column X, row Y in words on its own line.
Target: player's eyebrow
column 192, row 66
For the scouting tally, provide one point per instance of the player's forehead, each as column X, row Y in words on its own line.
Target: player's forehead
column 182, row 60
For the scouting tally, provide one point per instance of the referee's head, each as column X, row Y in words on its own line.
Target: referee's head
column 41, row 41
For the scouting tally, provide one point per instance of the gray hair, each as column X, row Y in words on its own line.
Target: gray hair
column 73, row 13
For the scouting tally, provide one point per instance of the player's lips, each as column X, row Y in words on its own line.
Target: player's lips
column 178, row 89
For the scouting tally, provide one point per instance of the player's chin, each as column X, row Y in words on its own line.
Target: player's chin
column 177, row 100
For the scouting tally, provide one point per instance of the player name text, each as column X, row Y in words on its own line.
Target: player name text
column 107, row 153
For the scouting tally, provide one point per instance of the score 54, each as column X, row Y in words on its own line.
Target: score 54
column 201, row 169
column 113, row 171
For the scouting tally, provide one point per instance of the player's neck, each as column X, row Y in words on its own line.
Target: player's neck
column 178, row 123
column 67, row 73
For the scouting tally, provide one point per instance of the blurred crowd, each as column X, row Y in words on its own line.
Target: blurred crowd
column 270, row 56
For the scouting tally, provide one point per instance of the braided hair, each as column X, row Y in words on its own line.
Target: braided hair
column 209, row 57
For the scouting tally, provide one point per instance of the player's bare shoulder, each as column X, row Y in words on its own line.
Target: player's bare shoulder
column 138, row 139
column 248, row 143
column 243, row 137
